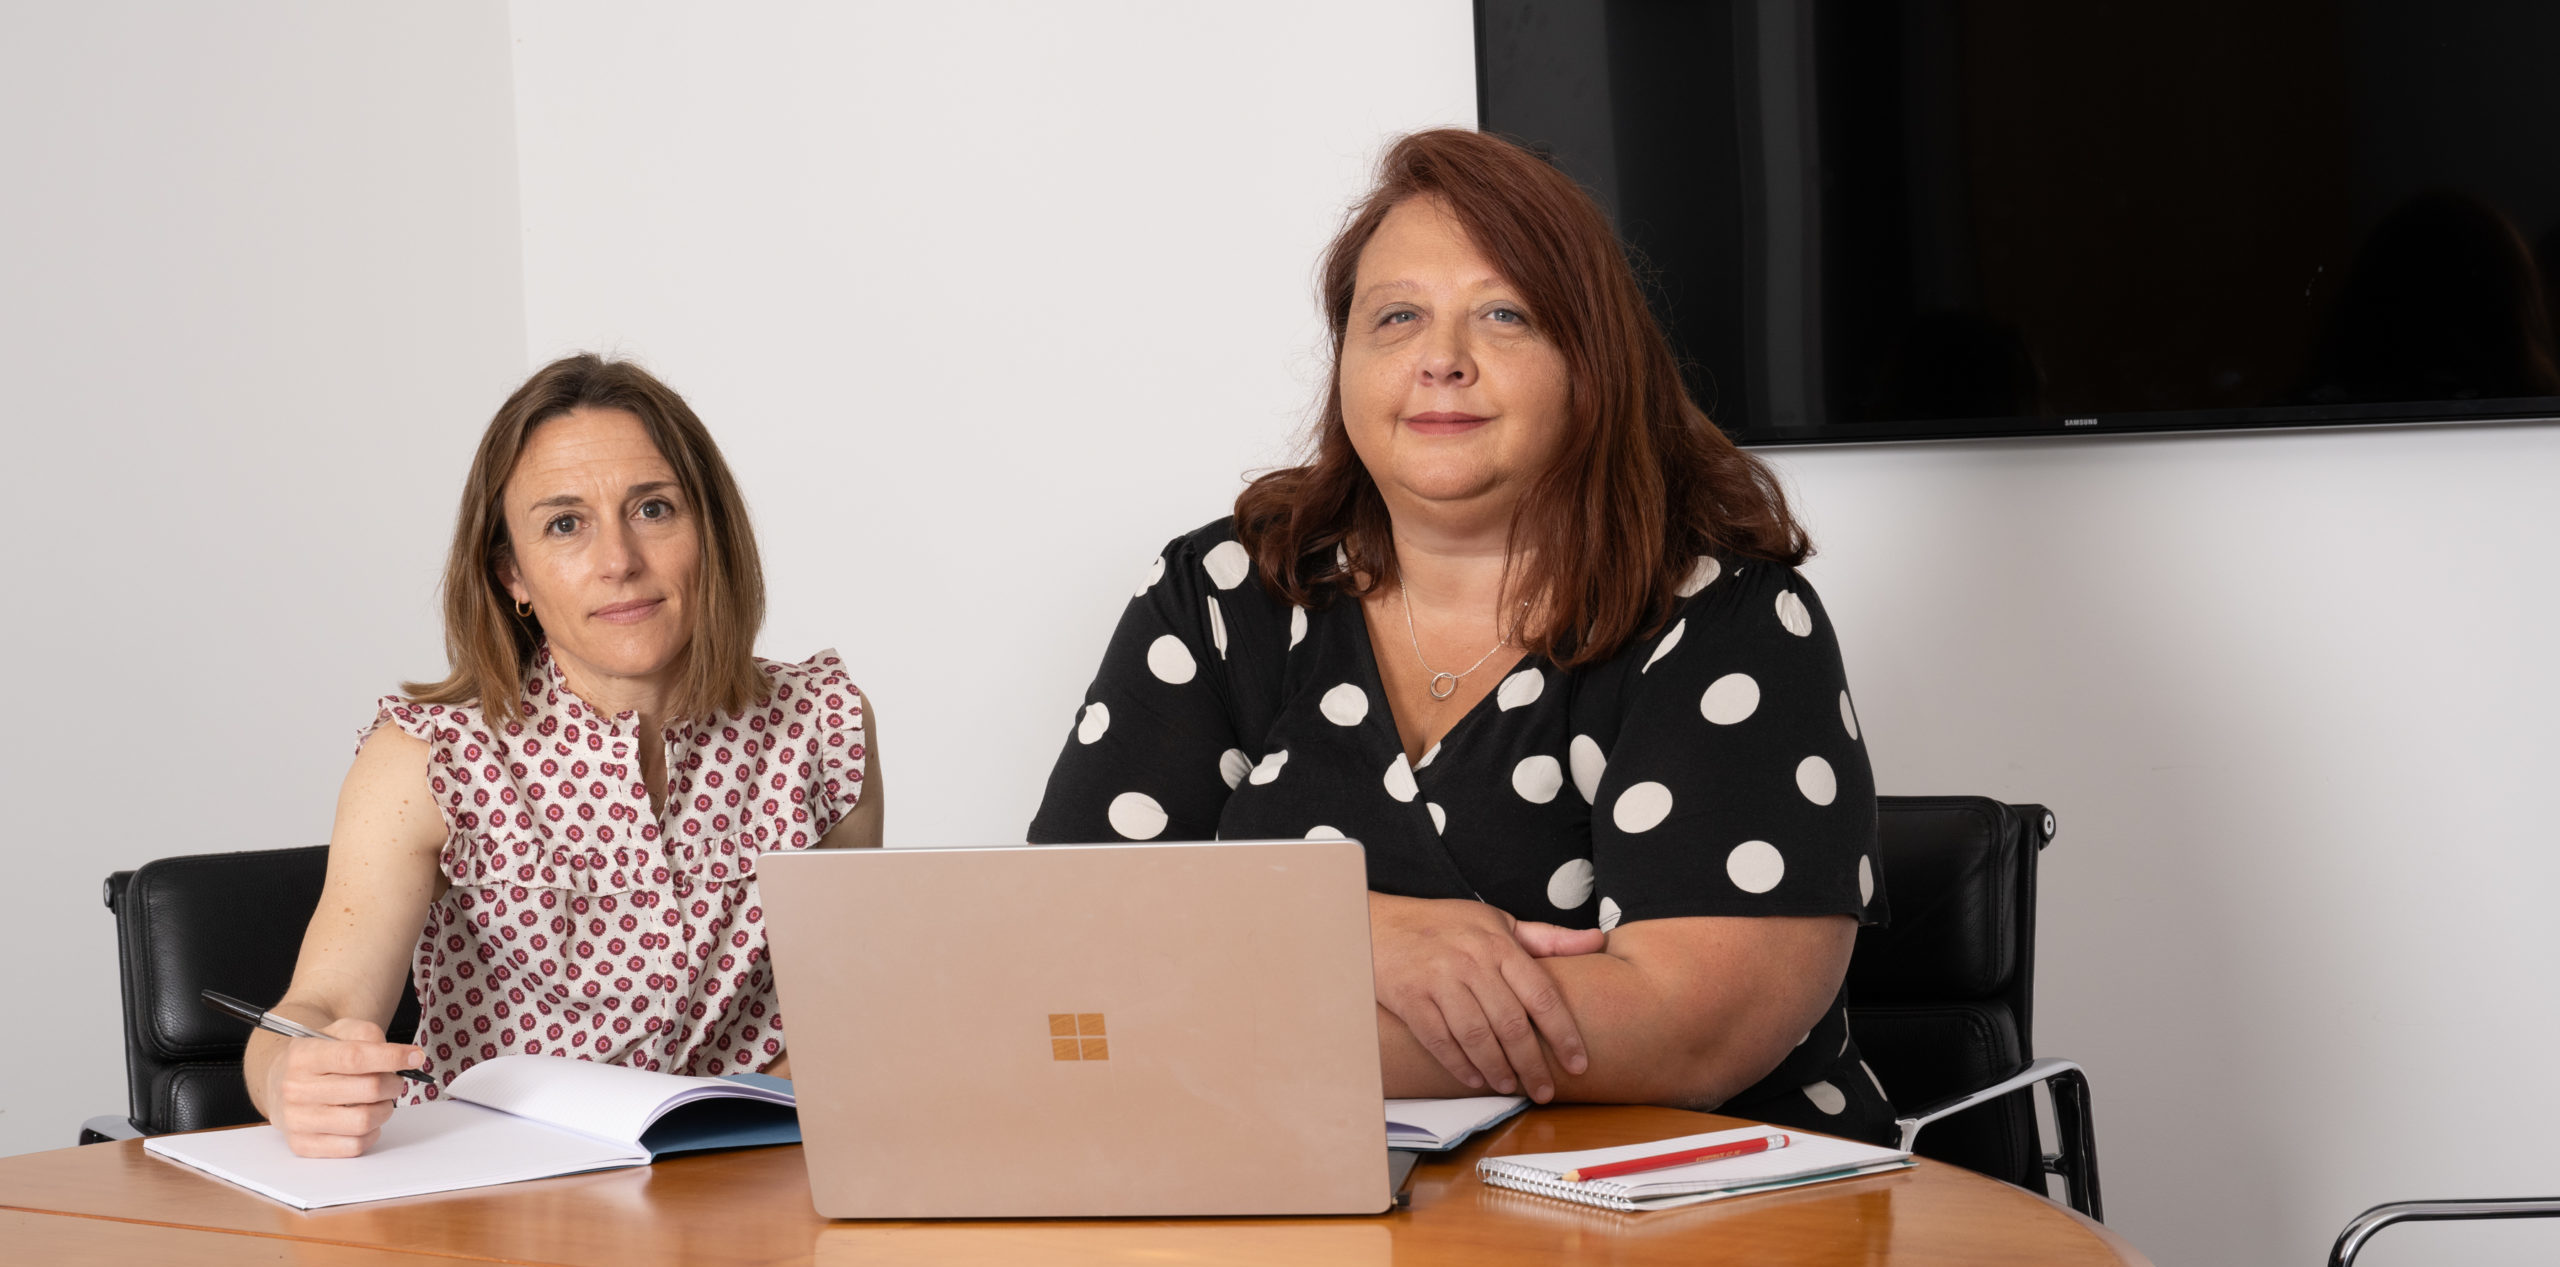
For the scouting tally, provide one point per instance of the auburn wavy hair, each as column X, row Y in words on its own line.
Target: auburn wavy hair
column 491, row 648
column 1643, row 482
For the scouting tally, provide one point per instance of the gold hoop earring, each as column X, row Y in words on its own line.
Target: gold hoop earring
column 524, row 609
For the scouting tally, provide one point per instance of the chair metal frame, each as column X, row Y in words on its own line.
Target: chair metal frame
column 2359, row 1230
column 2076, row 1130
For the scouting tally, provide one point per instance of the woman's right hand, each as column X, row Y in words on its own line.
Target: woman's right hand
column 331, row 1098
column 1459, row 977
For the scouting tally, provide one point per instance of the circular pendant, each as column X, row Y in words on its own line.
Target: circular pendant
column 1442, row 684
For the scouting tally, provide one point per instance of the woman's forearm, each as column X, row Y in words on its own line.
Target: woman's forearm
column 1684, row 1013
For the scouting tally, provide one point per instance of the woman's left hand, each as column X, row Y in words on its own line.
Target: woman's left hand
column 1459, row 977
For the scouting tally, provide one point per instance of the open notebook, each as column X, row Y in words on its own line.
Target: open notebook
column 502, row 1120
column 1806, row 1159
column 1436, row 1126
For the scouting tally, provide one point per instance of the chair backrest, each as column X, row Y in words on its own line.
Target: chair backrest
column 231, row 922
column 1942, row 1000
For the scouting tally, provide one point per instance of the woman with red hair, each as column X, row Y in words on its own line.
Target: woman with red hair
column 1527, row 625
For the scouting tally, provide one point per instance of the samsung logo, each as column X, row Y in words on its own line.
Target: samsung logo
column 2079, row 422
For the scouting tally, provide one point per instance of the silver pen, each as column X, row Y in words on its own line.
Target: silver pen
column 275, row 1024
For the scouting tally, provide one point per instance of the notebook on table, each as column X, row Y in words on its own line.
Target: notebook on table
column 1806, row 1159
column 1436, row 1126
column 504, row 1120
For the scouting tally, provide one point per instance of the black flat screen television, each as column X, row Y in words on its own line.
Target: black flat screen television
column 1944, row 218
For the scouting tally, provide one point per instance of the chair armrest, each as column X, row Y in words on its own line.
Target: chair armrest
column 2361, row 1229
column 108, row 1126
column 2035, row 1072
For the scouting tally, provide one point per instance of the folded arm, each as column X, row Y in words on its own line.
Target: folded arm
column 1682, row 1012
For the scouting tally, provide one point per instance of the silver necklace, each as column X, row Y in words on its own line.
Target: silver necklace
column 1443, row 683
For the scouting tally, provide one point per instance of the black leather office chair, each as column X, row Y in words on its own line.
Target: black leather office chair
column 1942, row 1000
column 230, row 922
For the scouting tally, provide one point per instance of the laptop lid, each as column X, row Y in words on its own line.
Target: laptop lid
column 1120, row 1030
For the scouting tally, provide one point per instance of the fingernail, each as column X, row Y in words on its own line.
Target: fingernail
column 1544, row 1093
column 1577, row 1065
column 1503, row 1086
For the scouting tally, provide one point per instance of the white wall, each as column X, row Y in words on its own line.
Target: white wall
column 2292, row 698
column 258, row 295
column 988, row 300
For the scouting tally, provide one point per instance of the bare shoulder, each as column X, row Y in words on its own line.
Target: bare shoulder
column 387, row 802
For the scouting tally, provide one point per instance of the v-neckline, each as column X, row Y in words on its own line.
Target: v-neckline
column 1377, row 681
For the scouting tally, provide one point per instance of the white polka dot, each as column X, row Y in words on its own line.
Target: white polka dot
column 1641, row 808
column 1171, row 661
column 1427, row 755
column 1663, row 648
column 1269, row 769
column 1609, row 914
column 1136, row 816
column 1341, row 557
column 1792, row 614
column 1588, row 764
column 1537, row 778
column 1815, row 779
column 1322, row 832
column 1876, row 1082
column 1096, row 719
column 1297, row 626
column 1729, row 699
column 1570, row 886
column 1233, row 765
column 1826, row 1097
column 1344, row 705
column 1848, row 715
column 1439, row 817
column 1754, row 866
column 1227, row 564
column 1218, row 627
column 1523, row 687
column 1400, row 784
column 1702, row 575
column 1155, row 573
column 1808, row 1037
column 1866, row 881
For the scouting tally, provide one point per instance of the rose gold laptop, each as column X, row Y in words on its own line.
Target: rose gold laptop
column 1082, row 1029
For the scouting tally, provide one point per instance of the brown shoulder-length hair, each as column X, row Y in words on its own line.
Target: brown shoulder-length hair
column 492, row 648
column 1643, row 482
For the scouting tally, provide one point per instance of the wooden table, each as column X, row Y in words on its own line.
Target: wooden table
column 116, row 1203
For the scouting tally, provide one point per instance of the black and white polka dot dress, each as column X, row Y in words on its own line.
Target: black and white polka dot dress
column 1714, row 768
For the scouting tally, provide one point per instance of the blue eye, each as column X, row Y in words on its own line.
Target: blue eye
column 1509, row 314
column 1398, row 317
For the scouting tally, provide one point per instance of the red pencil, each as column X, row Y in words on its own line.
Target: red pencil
column 1718, row 1152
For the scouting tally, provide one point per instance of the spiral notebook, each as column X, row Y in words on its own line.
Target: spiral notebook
column 1806, row 1159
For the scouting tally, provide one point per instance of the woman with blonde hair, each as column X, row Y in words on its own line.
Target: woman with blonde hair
column 555, row 846
column 1527, row 626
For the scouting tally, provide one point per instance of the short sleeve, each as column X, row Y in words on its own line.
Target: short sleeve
column 839, row 736
column 463, row 763
column 1736, row 782
column 1155, row 750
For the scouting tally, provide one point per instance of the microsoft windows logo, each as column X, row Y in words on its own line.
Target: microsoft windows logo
column 1077, row 1036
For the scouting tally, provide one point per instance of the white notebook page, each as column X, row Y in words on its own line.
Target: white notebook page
column 424, row 1148
column 609, row 1102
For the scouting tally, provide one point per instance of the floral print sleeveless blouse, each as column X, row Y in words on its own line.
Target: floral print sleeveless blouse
column 582, row 923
